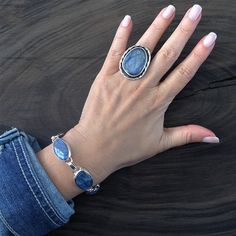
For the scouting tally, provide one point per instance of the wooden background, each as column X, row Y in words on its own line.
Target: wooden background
column 50, row 53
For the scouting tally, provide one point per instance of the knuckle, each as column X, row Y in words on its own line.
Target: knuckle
column 185, row 72
column 197, row 56
column 185, row 30
column 169, row 54
column 101, row 84
column 119, row 38
column 152, row 101
column 116, row 52
column 138, row 92
column 162, row 101
column 157, row 27
column 188, row 134
column 105, row 90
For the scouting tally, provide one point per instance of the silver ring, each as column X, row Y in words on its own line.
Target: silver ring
column 135, row 62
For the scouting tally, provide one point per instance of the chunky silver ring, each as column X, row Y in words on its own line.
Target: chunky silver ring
column 135, row 62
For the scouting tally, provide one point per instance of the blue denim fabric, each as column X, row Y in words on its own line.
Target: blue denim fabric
column 30, row 204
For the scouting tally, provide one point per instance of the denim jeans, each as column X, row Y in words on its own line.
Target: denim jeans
column 30, row 204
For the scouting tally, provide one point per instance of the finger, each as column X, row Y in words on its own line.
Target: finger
column 172, row 48
column 157, row 28
column 181, row 135
column 118, row 47
column 183, row 73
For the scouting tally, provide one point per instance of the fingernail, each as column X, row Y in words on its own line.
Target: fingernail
column 125, row 22
column 168, row 12
column 195, row 12
column 209, row 39
column 211, row 140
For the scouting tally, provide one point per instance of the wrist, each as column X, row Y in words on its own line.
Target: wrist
column 86, row 156
column 61, row 174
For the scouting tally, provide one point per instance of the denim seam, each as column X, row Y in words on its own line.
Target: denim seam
column 31, row 187
column 7, row 225
column 36, row 181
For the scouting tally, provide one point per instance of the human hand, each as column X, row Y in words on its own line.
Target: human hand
column 122, row 122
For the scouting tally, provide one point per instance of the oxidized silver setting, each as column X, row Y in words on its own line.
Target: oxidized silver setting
column 124, row 72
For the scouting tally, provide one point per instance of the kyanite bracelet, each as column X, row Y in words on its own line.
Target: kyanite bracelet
column 82, row 177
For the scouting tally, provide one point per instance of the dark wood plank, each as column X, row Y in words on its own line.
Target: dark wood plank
column 50, row 54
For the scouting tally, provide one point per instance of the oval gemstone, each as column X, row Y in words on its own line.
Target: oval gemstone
column 134, row 61
column 83, row 180
column 61, row 149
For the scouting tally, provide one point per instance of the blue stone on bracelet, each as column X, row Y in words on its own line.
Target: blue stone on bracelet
column 135, row 61
column 83, row 179
column 61, row 149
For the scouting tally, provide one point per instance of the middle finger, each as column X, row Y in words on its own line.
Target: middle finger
column 157, row 28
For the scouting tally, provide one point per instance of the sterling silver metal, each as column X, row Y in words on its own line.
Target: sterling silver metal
column 76, row 169
column 125, row 73
column 72, row 165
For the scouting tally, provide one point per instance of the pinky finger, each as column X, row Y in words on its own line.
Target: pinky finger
column 118, row 47
column 185, row 71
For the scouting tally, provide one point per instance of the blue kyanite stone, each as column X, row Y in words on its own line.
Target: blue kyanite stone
column 61, row 149
column 83, row 180
column 135, row 61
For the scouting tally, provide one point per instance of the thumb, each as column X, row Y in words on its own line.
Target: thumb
column 177, row 136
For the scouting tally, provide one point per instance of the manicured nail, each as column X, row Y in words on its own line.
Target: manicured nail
column 125, row 22
column 209, row 39
column 195, row 12
column 211, row 140
column 168, row 12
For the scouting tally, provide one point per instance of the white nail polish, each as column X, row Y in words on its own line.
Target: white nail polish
column 168, row 12
column 195, row 12
column 211, row 140
column 209, row 39
column 125, row 22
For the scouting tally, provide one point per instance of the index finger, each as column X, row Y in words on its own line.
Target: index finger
column 118, row 47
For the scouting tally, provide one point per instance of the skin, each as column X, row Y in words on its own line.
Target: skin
column 122, row 122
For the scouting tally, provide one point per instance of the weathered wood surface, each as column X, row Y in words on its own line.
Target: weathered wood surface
column 50, row 53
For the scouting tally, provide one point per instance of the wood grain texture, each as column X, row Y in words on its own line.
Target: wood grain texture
column 50, row 53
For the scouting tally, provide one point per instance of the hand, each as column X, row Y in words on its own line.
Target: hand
column 122, row 120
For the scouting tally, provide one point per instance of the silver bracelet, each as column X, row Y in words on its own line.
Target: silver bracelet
column 83, row 179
